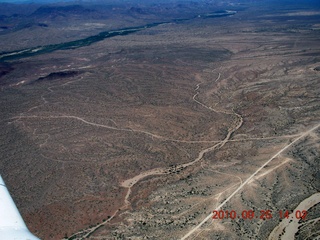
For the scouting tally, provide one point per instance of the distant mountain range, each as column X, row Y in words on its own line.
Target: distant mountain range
column 33, row 1
column 61, row 10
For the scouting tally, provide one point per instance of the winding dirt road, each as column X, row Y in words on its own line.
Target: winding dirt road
column 160, row 171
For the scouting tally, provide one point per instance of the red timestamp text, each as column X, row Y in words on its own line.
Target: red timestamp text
column 262, row 214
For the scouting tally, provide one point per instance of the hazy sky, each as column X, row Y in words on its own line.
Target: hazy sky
column 119, row 1
column 42, row 1
column 34, row 1
column 52, row 1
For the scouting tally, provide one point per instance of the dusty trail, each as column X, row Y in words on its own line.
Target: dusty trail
column 269, row 171
column 218, row 77
column 222, row 142
column 50, row 91
column 303, row 134
column 160, row 171
column 86, row 233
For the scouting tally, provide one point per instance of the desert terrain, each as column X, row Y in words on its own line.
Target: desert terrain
column 151, row 134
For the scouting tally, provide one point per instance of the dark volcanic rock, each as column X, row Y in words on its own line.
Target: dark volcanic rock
column 5, row 69
column 58, row 75
column 137, row 10
column 42, row 25
column 60, row 10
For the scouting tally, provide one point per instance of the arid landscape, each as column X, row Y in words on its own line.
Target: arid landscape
column 146, row 121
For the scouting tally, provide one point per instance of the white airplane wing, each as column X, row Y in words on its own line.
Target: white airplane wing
column 12, row 226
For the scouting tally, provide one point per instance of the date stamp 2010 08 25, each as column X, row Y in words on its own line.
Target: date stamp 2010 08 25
column 262, row 214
